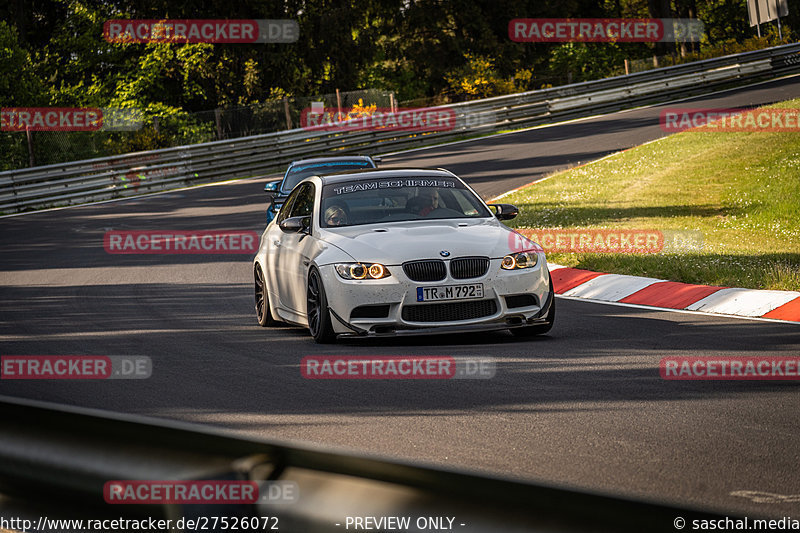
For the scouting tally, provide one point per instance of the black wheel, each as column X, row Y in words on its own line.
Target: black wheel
column 319, row 318
column 540, row 329
column 263, row 312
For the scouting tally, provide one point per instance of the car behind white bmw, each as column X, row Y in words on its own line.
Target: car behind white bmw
column 395, row 252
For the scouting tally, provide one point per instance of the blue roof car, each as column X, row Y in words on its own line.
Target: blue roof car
column 299, row 170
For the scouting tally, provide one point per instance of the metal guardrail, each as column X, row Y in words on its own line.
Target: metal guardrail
column 138, row 173
column 56, row 460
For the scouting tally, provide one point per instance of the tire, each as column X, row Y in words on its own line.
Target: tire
column 263, row 311
column 540, row 329
column 319, row 318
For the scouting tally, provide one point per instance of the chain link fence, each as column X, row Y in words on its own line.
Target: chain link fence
column 36, row 148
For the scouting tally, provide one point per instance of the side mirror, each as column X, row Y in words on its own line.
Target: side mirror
column 295, row 224
column 272, row 186
column 504, row 211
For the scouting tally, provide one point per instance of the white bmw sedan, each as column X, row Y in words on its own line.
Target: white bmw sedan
column 395, row 252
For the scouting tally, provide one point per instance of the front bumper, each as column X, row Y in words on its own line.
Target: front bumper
column 390, row 297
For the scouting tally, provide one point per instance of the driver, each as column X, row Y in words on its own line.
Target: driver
column 335, row 216
column 427, row 201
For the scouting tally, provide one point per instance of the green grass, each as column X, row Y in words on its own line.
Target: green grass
column 741, row 190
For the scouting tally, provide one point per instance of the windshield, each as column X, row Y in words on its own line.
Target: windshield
column 298, row 173
column 397, row 200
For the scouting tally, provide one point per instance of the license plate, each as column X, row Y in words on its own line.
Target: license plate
column 450, row 292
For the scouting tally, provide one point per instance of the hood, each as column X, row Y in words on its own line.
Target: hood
column 397, row 242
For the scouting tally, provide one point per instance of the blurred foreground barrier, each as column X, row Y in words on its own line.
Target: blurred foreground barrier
column 61, row 462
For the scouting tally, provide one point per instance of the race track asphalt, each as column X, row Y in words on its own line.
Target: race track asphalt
column 582, row 407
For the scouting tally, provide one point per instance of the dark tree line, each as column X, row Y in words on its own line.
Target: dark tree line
column 53, row 52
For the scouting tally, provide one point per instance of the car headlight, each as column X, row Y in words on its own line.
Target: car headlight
column 362, row 270
column 520, row 260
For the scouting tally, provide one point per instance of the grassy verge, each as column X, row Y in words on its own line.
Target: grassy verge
column 741, row 190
